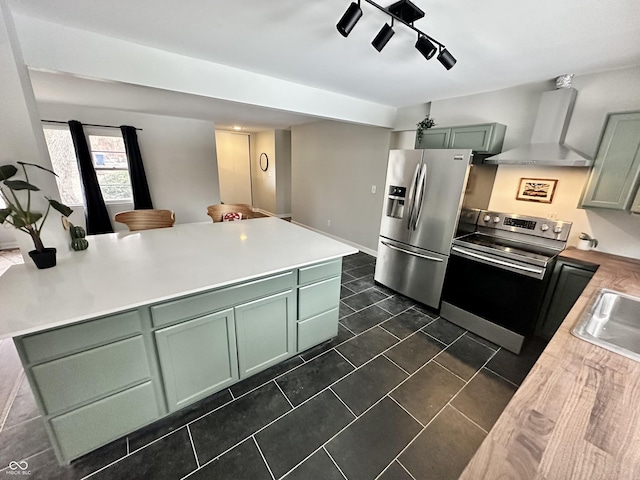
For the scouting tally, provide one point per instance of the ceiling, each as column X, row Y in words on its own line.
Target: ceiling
column 498, row 43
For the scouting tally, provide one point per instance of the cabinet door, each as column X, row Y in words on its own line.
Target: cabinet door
column 475, row 137
column 265, row 331
column 566, row 285
column 435, row 138
column 616, row 169
column 197, row 358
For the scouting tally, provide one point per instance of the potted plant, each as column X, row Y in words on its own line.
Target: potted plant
column 422, row 126
column 22, row 216
column 586, row 241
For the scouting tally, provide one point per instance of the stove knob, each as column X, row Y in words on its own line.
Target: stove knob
column 496, row 220
column 557, row 229
column 487, row 218
column 544, row 227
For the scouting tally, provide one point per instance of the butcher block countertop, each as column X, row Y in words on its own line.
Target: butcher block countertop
column 577, row 414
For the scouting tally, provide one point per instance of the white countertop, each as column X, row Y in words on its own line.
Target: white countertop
column 120, row 271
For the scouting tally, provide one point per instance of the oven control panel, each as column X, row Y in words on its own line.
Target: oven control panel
column 535, row 226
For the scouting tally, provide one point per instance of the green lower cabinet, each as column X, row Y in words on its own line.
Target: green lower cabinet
column 197, row 357
column 87, row 428
column 317, row 329
column 265, row 332
column 567, row 282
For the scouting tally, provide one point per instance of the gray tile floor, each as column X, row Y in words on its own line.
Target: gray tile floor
column 399, row 394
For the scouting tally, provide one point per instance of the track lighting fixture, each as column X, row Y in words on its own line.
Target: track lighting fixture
column 349, row 19
column 446, row 59
column 425, row 47
column 406, row 13
column 383, row 36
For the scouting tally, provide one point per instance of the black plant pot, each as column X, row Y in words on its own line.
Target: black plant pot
column 46, row 259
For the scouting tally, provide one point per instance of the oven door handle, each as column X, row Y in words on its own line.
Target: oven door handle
column 495, row 261
column 408, row 252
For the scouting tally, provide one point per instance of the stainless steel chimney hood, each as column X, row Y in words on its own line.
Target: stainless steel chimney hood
column 547, row 141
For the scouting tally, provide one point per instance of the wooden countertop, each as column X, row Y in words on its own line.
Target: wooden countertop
column 577, row 414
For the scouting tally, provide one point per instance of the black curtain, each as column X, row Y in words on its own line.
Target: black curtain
column 95, row 210
column 139, row 185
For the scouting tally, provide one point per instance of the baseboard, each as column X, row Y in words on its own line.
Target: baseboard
column 264, row 212
column 8, row 245
column 362, row 248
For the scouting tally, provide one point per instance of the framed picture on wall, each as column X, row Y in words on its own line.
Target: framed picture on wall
column 537, row 190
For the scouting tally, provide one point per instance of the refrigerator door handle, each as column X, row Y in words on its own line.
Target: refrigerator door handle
column 408, row 252
column 412, row 196
column 419, row 200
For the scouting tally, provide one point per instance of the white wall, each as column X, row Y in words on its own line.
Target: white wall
column 598, row 95
column 333, row 167
column 263, row 183
column 283, row 172
column 179, row 157
column 21, row 138
column 272, row 189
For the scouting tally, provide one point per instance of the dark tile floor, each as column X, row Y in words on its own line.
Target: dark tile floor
column 398, row 394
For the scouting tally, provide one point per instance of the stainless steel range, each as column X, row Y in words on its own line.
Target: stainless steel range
column 497, row 276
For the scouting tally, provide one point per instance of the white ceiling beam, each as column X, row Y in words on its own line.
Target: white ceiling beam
column 59, row 48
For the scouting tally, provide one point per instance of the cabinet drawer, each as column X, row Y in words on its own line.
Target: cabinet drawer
column 197, row 305
column 91, row 426
column 317, row 329
column 97, row 372
column 315, row 273
column 318, row 297
column 74, row 338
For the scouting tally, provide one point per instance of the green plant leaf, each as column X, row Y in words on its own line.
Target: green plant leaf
column 4, row 213
column 38, row 166
column 20, row 185
column 7, row 171
column 60, row 207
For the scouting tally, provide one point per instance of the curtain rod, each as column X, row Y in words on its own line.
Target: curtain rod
column 85, row 124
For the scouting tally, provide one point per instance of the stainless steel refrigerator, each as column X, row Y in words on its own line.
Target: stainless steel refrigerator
column 424, row 194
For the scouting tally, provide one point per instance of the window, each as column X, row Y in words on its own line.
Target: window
column 109, row 160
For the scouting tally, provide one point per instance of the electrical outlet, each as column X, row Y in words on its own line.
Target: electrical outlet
column 373, row 189
column 328, row 223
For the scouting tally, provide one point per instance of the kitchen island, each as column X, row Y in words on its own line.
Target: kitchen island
column 576, row 415
column 144, row 323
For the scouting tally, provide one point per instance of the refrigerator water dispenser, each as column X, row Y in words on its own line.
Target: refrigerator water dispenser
column 395, row 203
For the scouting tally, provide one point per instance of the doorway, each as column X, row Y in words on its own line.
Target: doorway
column 234, row 167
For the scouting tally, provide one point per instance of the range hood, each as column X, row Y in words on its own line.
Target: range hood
column 547, row 141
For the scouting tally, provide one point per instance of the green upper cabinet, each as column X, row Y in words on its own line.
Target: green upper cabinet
column 435, row 138
column 483, row 138
column 615, row 176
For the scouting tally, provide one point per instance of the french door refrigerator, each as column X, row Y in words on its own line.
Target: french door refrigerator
column 424, row 197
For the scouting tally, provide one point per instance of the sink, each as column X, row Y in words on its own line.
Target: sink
column 612, row 322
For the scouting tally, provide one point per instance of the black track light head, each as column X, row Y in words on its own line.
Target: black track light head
column 425, row 47
column 383, row 36
column 349, row 19
column 446, row 59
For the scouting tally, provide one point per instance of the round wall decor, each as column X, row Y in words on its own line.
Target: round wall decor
column 264, row 162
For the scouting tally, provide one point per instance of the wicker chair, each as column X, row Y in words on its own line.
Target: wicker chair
column 216, row 212
column 146, row 219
